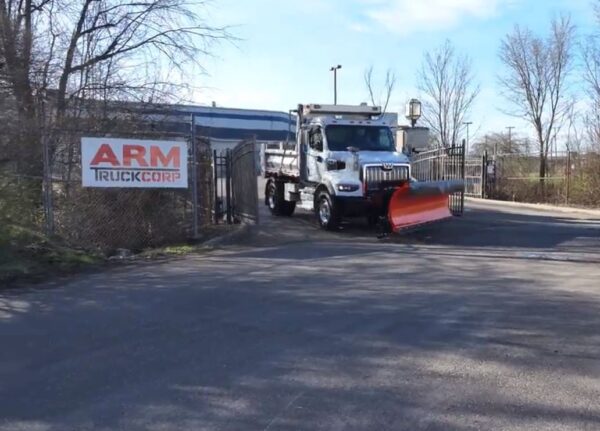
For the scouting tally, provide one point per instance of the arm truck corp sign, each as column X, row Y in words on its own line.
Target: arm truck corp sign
column 110, row 162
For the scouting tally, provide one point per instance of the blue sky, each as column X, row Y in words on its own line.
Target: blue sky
column 286, row 48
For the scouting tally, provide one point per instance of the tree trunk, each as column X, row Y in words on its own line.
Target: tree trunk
column 542, row 179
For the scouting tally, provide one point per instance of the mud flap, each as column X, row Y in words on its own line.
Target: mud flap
column 421, row 203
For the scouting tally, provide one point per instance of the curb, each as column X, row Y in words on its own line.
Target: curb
column 539, row 207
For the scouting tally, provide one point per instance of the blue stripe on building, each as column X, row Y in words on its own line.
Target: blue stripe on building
column 252, row 115
column 230, row 133
column 223, row 123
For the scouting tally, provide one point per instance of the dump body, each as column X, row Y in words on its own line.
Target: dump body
column 280, row 160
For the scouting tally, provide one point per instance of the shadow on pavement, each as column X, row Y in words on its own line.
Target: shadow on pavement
column 350, row 340
column 476, row 228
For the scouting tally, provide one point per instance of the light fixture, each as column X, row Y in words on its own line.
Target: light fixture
column 334, row 69
column 413, row 111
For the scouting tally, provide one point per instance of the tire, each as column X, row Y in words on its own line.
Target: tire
column 328, row 214
column 275, row 201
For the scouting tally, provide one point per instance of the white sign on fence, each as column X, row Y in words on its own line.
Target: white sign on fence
column 110, row 162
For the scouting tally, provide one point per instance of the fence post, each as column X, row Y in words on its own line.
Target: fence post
column 568, row 176
column 484, row 173
column 256, row 159
column 194, row 179
column 228, row 163
column 462, row 175
column 216, row 185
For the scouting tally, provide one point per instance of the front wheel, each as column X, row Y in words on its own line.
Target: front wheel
column 327, row 212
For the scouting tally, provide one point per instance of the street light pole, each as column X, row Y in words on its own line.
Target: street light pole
column 467, row 123
column 510, row 138
column 334, row 69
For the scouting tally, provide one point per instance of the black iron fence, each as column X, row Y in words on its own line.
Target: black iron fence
column 222, row 187
column 475, row 176
column 244, row 173
column 235, row 174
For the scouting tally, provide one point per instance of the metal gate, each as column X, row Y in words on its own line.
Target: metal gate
column 442, row 164
column 235, row 184
column 475, row 176
column 222, row 186
column 244, row 176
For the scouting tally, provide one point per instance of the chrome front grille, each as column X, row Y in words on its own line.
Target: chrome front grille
column 376, row 177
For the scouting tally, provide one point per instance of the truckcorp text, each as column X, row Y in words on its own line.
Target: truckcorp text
column 109, row 162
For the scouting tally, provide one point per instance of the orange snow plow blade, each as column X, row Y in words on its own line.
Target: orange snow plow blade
column 420, row 203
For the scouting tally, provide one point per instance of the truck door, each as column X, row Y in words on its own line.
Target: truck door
column 314, row 155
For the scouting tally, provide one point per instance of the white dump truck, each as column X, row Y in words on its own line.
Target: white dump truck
column 344, row 163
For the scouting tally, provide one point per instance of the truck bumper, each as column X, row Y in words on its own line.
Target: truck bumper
column 360, row 206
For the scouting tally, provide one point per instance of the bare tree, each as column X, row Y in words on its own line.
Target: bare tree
column 16, row 46
column 574, row 133
column 535, row 80
column 448, row 91
column 63, row 53
column 61, row 60
column 500, row 143
column 592, row 125
column 591, row 76
column 383, row 96
column 80, row 48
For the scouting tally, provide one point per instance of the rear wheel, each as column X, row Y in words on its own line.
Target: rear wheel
column 328, row 215
column 274, row 198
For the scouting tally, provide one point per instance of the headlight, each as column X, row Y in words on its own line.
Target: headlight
column 348, row 187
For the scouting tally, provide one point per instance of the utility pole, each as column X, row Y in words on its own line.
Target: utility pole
column 510, row 138
column 467, row 123
column 334, row 69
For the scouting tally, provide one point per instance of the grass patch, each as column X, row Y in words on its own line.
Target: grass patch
column 172, row 250
column 27, row 254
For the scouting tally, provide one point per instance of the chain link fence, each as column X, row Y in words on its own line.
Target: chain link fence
column 106, row 219
column 571, row 178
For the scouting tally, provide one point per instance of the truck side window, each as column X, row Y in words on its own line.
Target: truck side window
column 315, row 139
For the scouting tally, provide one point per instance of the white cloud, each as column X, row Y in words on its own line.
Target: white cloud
column 359, row 27
column 410, row 16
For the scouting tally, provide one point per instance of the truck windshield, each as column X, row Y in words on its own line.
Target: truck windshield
column 365, row 138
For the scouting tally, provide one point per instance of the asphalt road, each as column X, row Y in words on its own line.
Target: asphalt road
column 489, row 322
